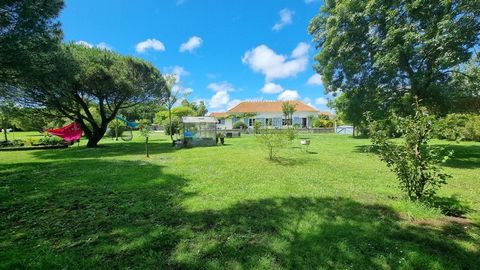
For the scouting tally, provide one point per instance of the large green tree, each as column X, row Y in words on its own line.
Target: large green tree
column 91, row 85
column 392, row 51
column 29, row 32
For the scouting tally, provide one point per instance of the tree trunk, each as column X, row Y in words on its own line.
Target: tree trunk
column 170, row 123
column 5, row 134
column 146, row 147
column 93, row 140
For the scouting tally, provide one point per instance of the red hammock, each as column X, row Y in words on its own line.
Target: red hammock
column 69, row 133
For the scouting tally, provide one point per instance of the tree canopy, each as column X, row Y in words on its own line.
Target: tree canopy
column 389, row 52
column 29, row 31
column 91, row 85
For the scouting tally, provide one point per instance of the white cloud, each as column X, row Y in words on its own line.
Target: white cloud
column 321, row 101
column 264, row 60
column 101, row 45
column 233, row 103
column 315, row 79
column 192, row 43
column 84, row 43
column 150, row 43
column 271, row 88
column 104, row 46
column 289, row 95
column 177, row 70
column 186, row 91
column 285, row 19
column 220, row 99
column 221, row 87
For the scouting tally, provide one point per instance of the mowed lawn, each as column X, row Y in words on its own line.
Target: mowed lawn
column 335, row 207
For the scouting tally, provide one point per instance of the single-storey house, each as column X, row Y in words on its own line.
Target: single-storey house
column 269, row 113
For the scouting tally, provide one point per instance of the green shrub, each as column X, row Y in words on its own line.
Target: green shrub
column 458, row 127
column 256, row 127
column 51, row 140
column 290, row 133
column 240, row 125
column 415, row 163
column 175, row 127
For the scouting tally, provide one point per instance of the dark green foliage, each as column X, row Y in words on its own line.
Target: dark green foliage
column 415, row 163
column 240, row 125
column 29, row 32
column 382, row 54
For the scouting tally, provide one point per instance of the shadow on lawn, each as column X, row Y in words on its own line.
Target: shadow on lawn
column 107, row 150
column 106, row 214
column 464, row 156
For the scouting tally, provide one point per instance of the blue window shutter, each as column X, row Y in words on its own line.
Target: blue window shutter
column 245, row 120
column 296, row 120
column 234, row 120
column 277, row 122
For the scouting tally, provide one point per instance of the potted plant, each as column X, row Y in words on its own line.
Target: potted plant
column 220, row 136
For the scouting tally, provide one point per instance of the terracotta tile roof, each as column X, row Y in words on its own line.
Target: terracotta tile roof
column 268, row 106
column 325, row 113
column 218, row 114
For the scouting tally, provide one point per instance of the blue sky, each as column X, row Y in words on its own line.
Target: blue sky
column 225, row 51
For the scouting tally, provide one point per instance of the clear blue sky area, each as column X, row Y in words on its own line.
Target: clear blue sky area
column 224, row 51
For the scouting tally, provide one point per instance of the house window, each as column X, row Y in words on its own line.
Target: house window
column 286, row 122
column 268, row 122
column 221, row 121
column 251, row 122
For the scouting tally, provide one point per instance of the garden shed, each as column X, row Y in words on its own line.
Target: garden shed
column 199, row 131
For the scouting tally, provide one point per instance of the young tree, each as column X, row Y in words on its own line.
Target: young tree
column 172, row 98
column 394, row 50
column 272, row 140
column 288, row 110
column 202, row 109
column 29, row 31
column 415, row 163
column 145, row 131
column 91, row 85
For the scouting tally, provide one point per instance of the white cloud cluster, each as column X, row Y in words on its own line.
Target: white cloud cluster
column 219, row 99
column 285, row 19
column 101, row 45
column 321, row 101
column 289, row 95
column 178, row 71
column 221, row 96
column 271, row 88
column 315, row 79
column 150, row 43
column 221, row 87
column 192, row 43
column 264, row 60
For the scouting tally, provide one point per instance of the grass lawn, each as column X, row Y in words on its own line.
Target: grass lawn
column 336, row 207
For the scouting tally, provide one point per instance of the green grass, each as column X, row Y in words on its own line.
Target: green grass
column 336, row 207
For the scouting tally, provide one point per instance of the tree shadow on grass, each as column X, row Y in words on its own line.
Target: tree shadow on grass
column 451, row 206
column 464, row 156
column 106, row 150
column 117, row 214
